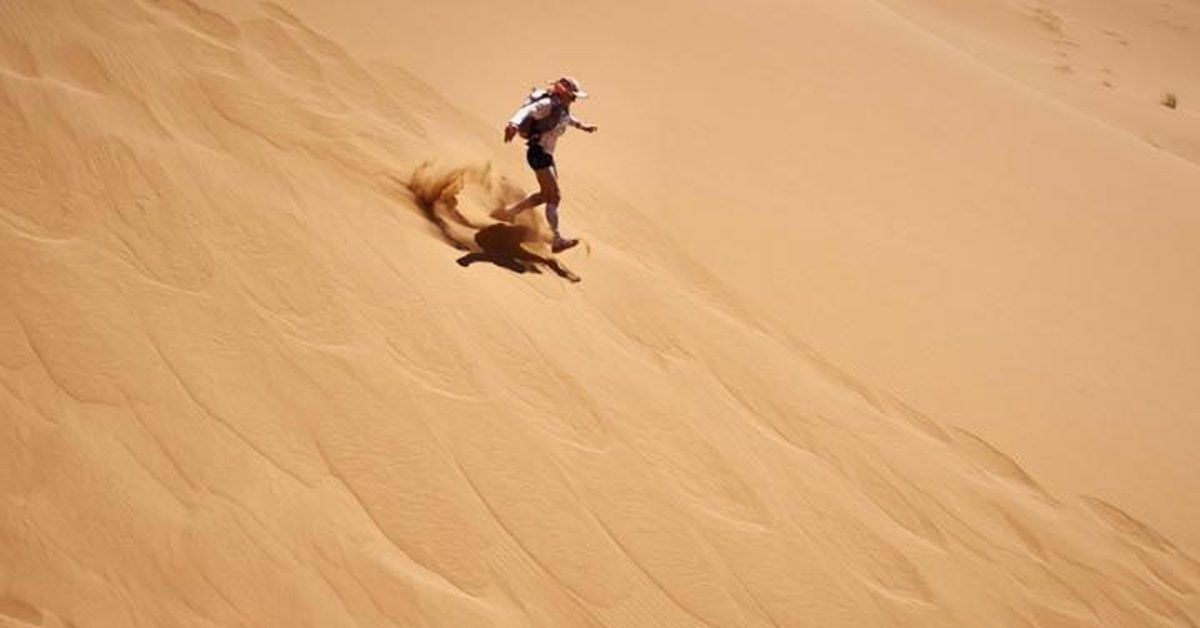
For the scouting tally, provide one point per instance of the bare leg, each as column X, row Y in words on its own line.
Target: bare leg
column 548, row 182
column 552, row 218
column 559, row 243
column 531, row 201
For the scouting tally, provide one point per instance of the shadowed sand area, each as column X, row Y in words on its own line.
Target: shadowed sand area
column 243, row 381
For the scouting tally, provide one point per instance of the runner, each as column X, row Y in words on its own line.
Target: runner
column 543, row 118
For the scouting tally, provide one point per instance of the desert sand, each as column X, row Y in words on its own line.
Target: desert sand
column 887, row 315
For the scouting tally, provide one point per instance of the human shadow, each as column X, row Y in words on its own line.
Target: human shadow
column 508, row 246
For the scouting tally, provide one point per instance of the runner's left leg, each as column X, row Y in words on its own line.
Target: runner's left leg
column 552, row 205
column 548, row 193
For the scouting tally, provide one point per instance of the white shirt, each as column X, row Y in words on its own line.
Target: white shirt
column 539, row 109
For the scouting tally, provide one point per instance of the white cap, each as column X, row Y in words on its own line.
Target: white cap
column 572, row 86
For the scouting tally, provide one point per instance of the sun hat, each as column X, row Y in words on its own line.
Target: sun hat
column 573, row 86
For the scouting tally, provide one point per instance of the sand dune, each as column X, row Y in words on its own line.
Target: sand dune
column 1112, row 60
column 914, row 188
column 244, row 382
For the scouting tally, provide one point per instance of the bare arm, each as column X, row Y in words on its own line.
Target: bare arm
column 583, row 126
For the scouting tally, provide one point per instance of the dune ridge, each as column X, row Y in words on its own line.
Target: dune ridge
column 243, row 383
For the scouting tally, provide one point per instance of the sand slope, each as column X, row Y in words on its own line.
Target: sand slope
column 917, row 188
column 1114, row 60
column 244, row 383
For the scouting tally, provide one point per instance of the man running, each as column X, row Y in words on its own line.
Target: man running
column 543, row 118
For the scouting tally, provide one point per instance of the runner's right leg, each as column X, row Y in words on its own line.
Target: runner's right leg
column 548, row 182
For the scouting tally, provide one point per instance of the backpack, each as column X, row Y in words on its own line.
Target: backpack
column 532, row 128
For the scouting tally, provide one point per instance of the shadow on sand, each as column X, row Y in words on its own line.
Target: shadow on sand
column 509, row 246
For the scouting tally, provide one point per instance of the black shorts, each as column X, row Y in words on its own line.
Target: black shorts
column 537, row 157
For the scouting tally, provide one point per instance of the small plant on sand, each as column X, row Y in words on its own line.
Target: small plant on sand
column 1169, row 101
